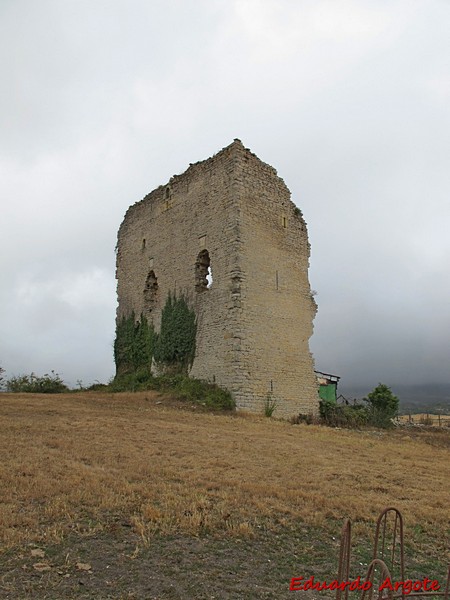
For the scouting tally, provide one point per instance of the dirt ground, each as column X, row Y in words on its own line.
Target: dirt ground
column 115, row 565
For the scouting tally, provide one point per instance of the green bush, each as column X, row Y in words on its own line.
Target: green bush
column 178, row 385
column 98, row 387
column 136, row 381
column 343, row 415
column 382, row 406
column 47, row 384
column 199, row 392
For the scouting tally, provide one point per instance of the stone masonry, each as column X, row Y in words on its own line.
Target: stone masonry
column 229, row 217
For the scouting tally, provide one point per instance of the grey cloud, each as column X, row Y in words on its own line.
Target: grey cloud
column 348, row 100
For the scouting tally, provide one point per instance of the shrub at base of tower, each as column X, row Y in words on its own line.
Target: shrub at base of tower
column 208, row 395
column 175, row 345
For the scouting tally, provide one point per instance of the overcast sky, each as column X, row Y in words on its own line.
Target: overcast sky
column 104, row 100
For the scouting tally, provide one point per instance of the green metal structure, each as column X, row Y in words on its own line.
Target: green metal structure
column 327, row 386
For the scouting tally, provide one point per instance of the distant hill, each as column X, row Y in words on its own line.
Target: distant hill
column 432, row 398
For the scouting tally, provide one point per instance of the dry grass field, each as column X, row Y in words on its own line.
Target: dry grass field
column 82, row 466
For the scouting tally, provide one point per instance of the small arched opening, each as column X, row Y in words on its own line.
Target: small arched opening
column 150, row 291
column 203, row 273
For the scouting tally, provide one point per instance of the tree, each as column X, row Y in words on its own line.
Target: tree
column 1, row 377
column 382, row 405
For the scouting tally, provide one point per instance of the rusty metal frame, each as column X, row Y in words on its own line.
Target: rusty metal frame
column 344, row 558
column 397, row 539
column 380, row 551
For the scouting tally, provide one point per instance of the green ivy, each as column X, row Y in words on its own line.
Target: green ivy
column 173, row 348
column 137, row 344
column 175, row 345
column 134, row 344
column 144, row 344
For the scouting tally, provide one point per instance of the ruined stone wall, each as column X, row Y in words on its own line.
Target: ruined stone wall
column 255, row 321
column 277, row 306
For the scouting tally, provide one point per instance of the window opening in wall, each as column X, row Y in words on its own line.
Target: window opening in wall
column 143, row 244
column 284, row 222
column 276, row 279
column 167, row 193
column 202, row 270
column 209, row 278
column 150, row 291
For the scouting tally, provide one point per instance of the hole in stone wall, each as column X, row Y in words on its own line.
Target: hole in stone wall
column 202, row 270
column 209, row 278
column 150, row 291
column 143, row 244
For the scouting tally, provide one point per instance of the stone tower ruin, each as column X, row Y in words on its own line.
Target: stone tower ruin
column 230, row 219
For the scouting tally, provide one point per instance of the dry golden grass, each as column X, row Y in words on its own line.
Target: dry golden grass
column 77, row 462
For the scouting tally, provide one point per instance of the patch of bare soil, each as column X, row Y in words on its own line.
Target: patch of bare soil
column 116, row 565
